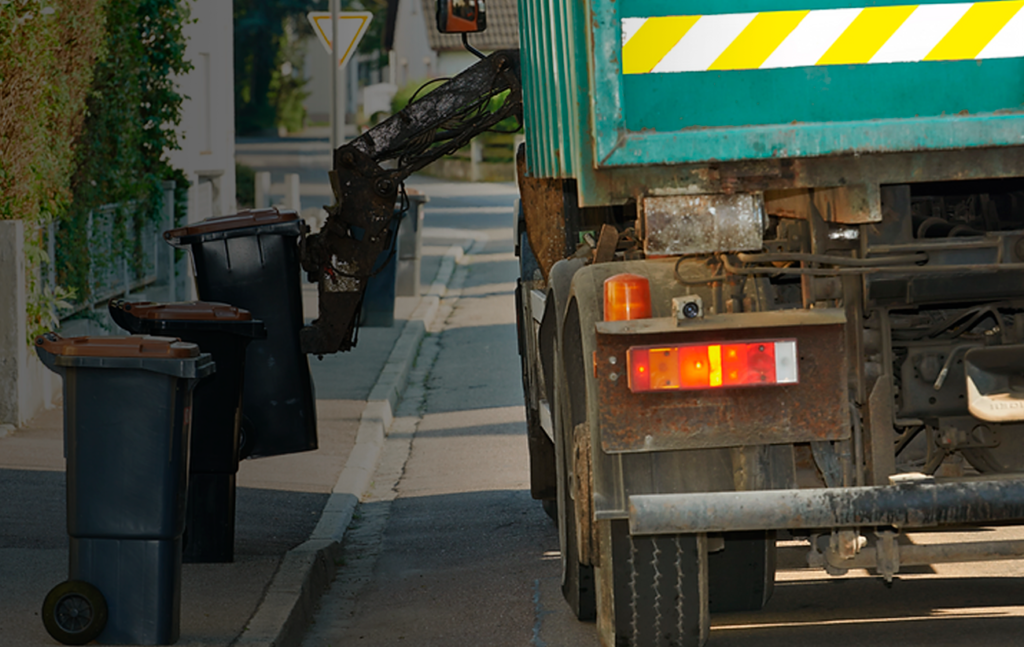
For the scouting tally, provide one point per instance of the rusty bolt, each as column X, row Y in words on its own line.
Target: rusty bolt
column 384, row 186
column 347, row 158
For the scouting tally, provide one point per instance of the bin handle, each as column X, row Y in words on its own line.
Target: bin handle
column 47, row 342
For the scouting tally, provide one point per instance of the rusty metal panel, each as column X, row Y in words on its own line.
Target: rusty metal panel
column 618, row 185
column 854, row 204
column 702, row 224
column 815, row 409
column 543, row 204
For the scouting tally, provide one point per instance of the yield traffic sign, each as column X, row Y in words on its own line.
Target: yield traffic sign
column 351, row 28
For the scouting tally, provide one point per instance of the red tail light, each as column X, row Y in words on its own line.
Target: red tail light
column 682, row 367
column 626, row 296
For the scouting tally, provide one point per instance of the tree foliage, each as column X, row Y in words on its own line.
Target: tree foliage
column 269, row 58
column 263, row 45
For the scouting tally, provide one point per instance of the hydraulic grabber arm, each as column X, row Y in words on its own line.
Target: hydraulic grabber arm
column 368, row 178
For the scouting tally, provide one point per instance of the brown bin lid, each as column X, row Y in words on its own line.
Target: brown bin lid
column 140, row 346
column 190, row 311
column 240, row 220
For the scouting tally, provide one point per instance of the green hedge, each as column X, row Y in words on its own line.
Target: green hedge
column 47, row 51
column 87, row 109
column 132, row 109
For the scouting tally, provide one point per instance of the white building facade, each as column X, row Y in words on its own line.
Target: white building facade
column 207, row 130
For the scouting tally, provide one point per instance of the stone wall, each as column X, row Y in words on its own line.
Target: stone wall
column 26, row 386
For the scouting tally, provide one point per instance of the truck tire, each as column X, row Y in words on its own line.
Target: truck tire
column 659, row 588
column 551, row 508
column 742, row 577
column 543, row 480
column 577, row 579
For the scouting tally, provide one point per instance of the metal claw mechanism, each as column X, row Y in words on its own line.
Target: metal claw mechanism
column 368, row 178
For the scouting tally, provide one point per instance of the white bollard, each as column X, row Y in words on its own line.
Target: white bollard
column 261, row 199
column 476, row 158
column 292, row 195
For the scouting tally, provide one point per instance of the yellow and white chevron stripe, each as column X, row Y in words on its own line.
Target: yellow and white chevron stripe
column 778, row 39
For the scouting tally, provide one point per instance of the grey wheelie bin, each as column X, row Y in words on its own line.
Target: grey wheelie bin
column 378, row 310
column 224, row 331
column 396, row 272
column 251, row 260
column 127, row 408
column 410, row 246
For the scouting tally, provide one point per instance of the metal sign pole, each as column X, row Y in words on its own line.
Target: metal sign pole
column 356, row 23
column 337, row 119
column 342, row 100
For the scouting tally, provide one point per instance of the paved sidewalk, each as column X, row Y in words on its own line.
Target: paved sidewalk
column 292, row 511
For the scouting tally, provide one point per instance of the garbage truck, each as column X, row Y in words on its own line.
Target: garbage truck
column 772, row 282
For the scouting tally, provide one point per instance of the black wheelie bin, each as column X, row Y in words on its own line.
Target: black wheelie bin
column 224, row 331
column 378, row 309
column 251, row 260
column 127, row 409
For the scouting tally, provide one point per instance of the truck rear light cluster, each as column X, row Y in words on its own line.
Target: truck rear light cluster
column 683, row 367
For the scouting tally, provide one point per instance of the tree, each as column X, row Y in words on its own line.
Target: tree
column 268, row 63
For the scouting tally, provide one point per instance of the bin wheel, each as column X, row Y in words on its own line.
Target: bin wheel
column 74, row 612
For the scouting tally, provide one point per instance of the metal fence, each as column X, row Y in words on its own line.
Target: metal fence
column 122, row 257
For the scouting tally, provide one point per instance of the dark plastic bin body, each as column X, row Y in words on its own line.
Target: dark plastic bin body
column 126, row 444
column 224, row 332
column 410, row 247
column 396, row 271
column 126, row 426
column 379, row 300
column 256, row 267
column 142, row 590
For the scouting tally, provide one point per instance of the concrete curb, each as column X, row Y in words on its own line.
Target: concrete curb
column 307, row 570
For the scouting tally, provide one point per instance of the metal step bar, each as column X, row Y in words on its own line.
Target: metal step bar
column 906, row 505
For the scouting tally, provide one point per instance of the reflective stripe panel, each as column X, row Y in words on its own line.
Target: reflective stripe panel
column 976, row 26
column 857, row 36
column 701, row 46
column 867, row 34
column 645, row 42
column 761, row 37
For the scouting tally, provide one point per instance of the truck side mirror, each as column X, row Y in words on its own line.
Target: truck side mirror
column 461, row 16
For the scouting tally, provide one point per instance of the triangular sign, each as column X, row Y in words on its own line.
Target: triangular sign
column 352, row 26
